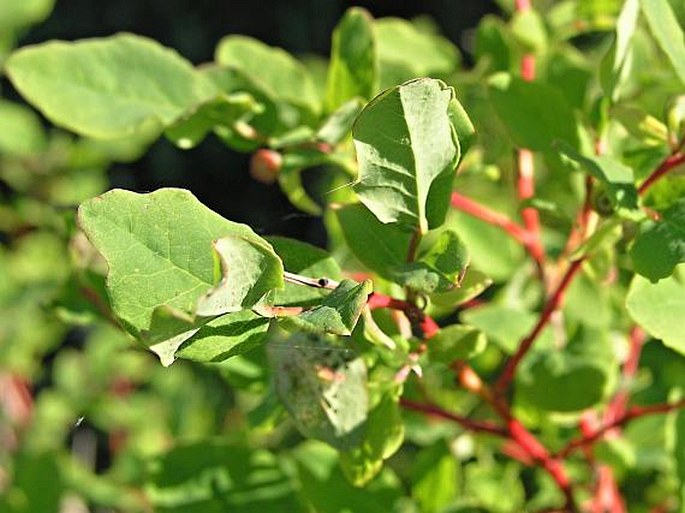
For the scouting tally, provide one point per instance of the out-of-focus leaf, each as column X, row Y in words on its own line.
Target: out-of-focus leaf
column 109, row 88
column 660, row 245
column 667, row 31
column 383, row 436
column 456, row 342
column 212, row 476
column 435, row 475
column 518, row 102
column 20, row 130
column 660, row 307
column 353, row 71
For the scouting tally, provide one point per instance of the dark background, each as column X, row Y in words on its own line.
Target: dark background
column 214, row 173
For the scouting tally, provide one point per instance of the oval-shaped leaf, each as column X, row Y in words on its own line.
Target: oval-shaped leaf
column 406, row 145
column 110, row 87
column 159, row 250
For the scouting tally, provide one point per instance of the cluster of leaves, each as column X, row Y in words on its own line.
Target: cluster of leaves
column 289, row 338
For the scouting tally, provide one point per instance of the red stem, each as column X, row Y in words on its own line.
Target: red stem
column 553, row 303
column 670, row 162
column 632, row 413
column 465, row 422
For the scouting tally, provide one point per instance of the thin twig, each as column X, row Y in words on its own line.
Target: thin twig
column 465, row 422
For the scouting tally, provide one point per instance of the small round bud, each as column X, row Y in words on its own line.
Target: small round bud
column 265, row 165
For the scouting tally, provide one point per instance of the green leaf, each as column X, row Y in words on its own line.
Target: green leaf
column 383, row 437
column 275, row 71
column 456, row 342
column 414, row 149
column 250, row 270
column 224, row 111
column 435, row 475
column 20, row 130
column 325, row 489
column 17, row 14
column 224, row 337
column 353, row 71
column 573, row 379
column 323, row 387
column 440, row 269
column 505, row 325
column 660, row 307
column 108, row 88
column 362, row 230
column 158, row 247
column 529, row 28
column 338, row 312
column 660, row 246
column 406, row 51
column 617, row 178
column 473, row 284
column 641, row 125
column 517, row 102
column 618, row 62
column 679, row 452
column 667, row 31
column 306, row 260
column 213, row 476
column 336, row 126
column 491, row 43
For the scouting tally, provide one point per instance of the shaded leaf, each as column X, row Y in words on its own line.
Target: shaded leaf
column 339, row 123
column 660, row 245
column 435, row 477
column 323, row 387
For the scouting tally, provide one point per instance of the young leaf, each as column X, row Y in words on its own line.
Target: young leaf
column 617, row 178
column 159, row 250
column 353, row 71
column 108, row 88
column 667, row 31
column 406, row 145
column 438, row 270
column 338, row 312
column 225, row 111
column 323, row 387
column 517, row 102
column 646, row 303
column 660, row 246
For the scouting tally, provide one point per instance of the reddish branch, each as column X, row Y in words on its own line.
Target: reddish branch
column 465, row 422
column 630, row 414
column 523, row 236
column 672, row 161
column 553, row 303
column 415, row 315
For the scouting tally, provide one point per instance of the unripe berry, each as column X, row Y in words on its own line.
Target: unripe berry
column 265, row 165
